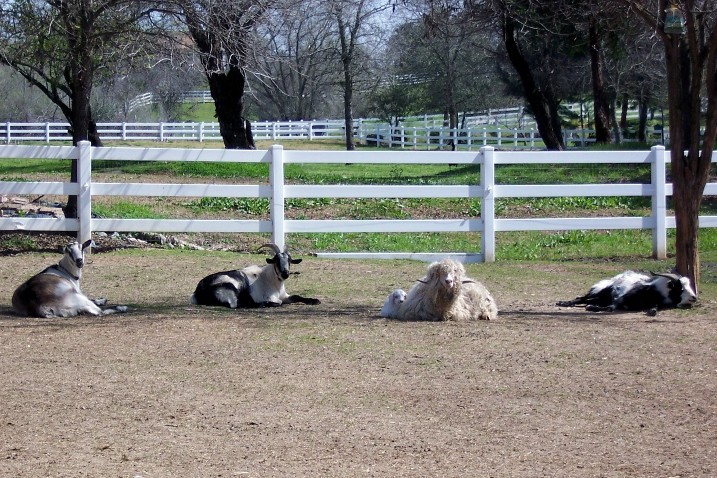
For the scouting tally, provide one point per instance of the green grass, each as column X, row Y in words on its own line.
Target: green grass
column 125, row 210
column 619, row 245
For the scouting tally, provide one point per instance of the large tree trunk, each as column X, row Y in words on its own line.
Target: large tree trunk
column 79, row 76
column 600, row 98
column 541, row 102
column 227, row 90
column 690, row 155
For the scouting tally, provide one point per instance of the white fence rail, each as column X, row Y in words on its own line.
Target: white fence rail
column 277, row 191
column 379, row 134
column 12, row 132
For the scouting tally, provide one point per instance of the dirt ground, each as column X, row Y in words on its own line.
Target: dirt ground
column 173, row 390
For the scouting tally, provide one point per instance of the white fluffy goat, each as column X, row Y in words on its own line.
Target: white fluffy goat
column 447, row 294
column 393, row 303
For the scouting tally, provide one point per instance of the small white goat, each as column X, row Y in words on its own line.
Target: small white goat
column 447, row 294
column 55, row 292
column 393, row 303
column 253, row 286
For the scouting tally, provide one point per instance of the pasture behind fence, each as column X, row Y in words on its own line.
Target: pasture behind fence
column 277, row 191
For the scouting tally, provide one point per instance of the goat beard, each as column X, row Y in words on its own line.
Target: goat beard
column 448, row 295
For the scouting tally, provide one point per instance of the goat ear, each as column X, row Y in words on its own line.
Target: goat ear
column 269, row 260
column 296, row 261
column 87, row 243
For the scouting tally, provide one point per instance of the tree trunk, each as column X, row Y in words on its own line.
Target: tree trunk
column 348, row 102
column 600, row 98
column 642, row 120
column 542, row 103
column 79, row 76
column 623, row 113
column 227, row 90
column 690, row 154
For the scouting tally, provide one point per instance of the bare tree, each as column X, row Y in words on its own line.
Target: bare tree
column 452, row 50
column 223, row 34
column 297, row 59
column 355, row 22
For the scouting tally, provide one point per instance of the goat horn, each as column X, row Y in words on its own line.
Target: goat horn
column 271, row 246
column 422, row 281
column 469, row 281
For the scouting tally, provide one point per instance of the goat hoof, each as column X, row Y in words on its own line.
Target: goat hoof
column 652, row 312
column 314, row 302
column 100, row 301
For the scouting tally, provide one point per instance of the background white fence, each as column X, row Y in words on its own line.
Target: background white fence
column 425, row 136
column 278, row 191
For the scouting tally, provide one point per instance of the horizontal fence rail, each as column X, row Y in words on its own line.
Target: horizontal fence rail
column 277, row 192
column 426, row 137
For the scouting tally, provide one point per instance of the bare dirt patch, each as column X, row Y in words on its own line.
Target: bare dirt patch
column 171, row 389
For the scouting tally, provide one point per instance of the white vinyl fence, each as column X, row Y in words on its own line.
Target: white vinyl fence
column 486, row 226
column 424, row 137
column 13, row 132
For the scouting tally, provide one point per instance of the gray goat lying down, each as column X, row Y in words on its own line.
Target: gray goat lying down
column 55, row 292
column 636, row 291
column 252, row 286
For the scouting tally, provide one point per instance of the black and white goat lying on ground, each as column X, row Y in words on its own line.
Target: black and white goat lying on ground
column 55, row 292
column 253, row 286
column 636, row 291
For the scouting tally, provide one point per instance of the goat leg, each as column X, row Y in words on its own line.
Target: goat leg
column 571, row 303
column 292, row 299
column 599, row 308
column 270, row 304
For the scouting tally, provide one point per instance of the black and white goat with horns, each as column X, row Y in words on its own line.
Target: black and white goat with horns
column 634, row 291
column 55, row 292
column 252, row 286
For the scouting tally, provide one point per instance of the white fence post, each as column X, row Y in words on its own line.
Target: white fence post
column 47, row 133
column 7, row 133
column 659, row 203
column 200, row 131
column 487, row 204
column 276, row 182
column 84, row 199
